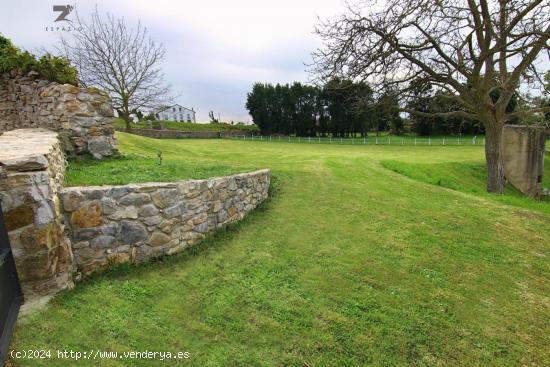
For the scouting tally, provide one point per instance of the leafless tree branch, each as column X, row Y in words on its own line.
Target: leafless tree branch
column 119, row 59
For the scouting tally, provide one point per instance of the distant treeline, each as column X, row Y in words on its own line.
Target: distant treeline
column 343, row 108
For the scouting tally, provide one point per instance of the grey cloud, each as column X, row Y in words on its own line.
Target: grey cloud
column 209, row 70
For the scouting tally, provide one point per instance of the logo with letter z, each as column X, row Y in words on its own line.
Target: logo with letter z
column 64, row 9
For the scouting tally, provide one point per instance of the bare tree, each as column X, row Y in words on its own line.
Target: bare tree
column 213, row 119
column 479, row 51
column 121, row 60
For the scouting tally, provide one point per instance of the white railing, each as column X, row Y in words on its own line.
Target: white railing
column 370, row 140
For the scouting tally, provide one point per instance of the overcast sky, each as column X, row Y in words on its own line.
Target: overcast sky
column 216, row 49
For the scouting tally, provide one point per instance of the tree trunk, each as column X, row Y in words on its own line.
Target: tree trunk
column 126, row 114
column 493, row 156
column 128, row 121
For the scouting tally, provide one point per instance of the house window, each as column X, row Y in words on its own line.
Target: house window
column 181, row 116
column 180, row 109
column 173, row 109
column 165, row 117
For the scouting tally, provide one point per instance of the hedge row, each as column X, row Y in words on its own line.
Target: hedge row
column 54, row 68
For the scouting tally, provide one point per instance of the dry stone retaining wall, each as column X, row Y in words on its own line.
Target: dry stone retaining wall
column 133, row 223
column 176, row 134
column 32, row 164
column 84, row 116
column 59, row 234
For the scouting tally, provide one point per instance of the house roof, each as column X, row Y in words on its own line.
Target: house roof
column 162, row 109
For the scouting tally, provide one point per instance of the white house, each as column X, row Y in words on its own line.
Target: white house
column 176, row 113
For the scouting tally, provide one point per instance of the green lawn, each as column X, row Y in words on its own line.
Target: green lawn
column 349, row 263
column 142, row 168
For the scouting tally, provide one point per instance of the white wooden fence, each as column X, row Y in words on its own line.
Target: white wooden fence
column 371, row 140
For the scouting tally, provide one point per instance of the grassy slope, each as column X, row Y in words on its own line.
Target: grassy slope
column 469, row 177
column 348, row 264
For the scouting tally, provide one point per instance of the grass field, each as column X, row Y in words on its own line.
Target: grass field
column 362, row 256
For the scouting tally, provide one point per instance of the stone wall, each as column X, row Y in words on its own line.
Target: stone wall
column 133, row 223
column 523, row 156
column 84, row 116
column 175, row 134
column 32, row 164
column 59, row 234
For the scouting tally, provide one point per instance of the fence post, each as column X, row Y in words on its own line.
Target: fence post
column 377, row 140
column 340, row 140
column 429, row 140
column 415, row 141
column 319, row 140
column 364, row 140
column 352, row 141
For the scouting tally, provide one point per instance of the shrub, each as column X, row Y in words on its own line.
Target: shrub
column 54, row 68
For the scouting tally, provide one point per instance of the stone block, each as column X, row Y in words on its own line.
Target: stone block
column 174, row 211
column 163, row 198
column 135, row 199
column 72, row 200
column 148, row 210
column 159, row 239
column 88, row 215
column 100, row 146
column 132, row 232
column 109, row 205
column 19, row 217
column 124, row 212
column 152, row 221
column 102, row 241
column 118, row 258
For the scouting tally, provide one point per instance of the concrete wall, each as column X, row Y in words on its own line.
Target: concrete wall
column 175, row 134
column 133, row 223
column 59, row 234
column 84, row 116
column 32, row 164
column 523, row 154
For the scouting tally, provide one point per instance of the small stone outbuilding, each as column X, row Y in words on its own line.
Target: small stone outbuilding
column 523, row 155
